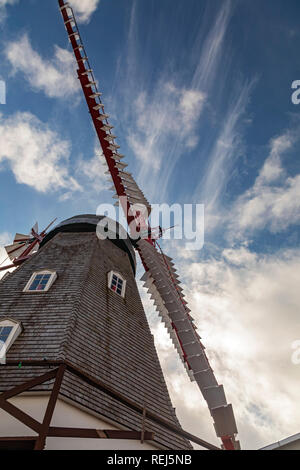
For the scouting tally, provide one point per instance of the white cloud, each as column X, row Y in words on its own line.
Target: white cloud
column 240, row 256
column 272, row 169
column 249, row 318
column 35, row 154
column 55, row 77
column 273, row 202
column 84, row 9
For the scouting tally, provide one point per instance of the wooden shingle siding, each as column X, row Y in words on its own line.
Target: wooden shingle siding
column 82, row 321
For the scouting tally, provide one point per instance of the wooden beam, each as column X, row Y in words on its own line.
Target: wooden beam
column 98, row 434
column 17, row 443
column 120, row 398
column 44, row 363
column 18, row 438
column 41, row 441
column 21, row 416
column 28, row 385
column 138, row 408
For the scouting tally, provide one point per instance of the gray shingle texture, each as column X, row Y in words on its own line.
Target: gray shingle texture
column 81, row 320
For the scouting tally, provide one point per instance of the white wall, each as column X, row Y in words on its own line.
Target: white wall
column 65, row 415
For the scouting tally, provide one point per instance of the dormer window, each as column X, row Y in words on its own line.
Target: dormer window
column 9, row 331
column 117, row 283
column 5, row 332
column 41, row 281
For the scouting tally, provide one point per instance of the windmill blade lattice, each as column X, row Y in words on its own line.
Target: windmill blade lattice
column 24, row 246
column 162, row 283
column 125, row 186
column 21, row 243
column 18, row 247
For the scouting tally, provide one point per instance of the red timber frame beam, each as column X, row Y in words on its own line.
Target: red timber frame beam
column 45, row 430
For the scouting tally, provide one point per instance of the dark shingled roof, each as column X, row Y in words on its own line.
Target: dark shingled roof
column 82, row 321
column 88, row 223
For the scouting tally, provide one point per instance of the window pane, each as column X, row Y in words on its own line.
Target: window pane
column 40, row 282
column 5, row 332
column 33, row 286
column 117, row 284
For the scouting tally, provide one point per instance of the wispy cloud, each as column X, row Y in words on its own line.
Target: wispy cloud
column 56, row 77
column 223, row 156
column 164, row 117
column 35, row 154
column 171, row 112
column 212, row 50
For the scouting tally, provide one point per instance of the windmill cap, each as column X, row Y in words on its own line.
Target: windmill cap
column 88, row 223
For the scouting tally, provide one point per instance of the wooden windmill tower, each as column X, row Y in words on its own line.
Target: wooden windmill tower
column 73, row 326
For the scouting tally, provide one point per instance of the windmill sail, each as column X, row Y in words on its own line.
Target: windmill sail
column 19, row 237
column 15, row 250
column 124, row 183
column 162, row 283
column 25, row 245
column 18, row 247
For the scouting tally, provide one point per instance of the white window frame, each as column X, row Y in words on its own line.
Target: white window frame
column 119, row 276
column 17, row 329
column 53, row 277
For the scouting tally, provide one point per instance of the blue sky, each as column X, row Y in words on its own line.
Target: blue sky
column 199, row 92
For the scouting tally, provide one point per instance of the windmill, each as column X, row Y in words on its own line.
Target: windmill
column 160, row 278
column 24, row 246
